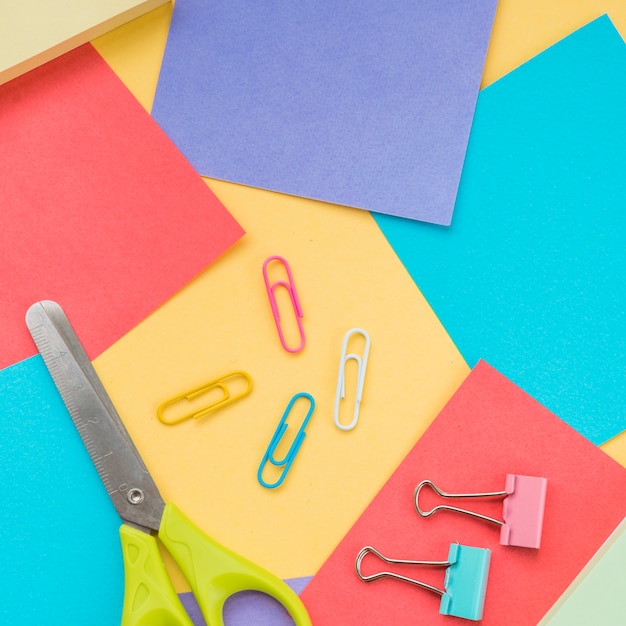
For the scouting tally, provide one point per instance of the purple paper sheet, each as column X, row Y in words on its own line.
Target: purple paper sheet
column 248, row 608
column 364, row 104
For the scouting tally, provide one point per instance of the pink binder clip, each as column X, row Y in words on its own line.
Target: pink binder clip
column 523, row 508
column 291, row 290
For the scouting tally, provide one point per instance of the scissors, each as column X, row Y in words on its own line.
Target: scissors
column 213, row 572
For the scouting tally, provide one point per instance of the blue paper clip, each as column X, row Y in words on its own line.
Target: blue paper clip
column 276, row 438
column 291, row 290
column 465, row 581
column 341, row 378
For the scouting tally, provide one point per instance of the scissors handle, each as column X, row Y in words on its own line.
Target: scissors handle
column 215, row 573
column 149, row 597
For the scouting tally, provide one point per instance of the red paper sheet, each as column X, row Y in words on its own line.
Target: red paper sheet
column 98, row 209
column 488, row 429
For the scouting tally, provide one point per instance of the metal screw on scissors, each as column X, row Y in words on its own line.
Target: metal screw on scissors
column 213, row 571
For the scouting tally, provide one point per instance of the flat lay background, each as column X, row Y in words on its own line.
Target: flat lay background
column 352, row 269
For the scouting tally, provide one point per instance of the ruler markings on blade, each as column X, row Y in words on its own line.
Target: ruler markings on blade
column 41, row 339
column 108, row 444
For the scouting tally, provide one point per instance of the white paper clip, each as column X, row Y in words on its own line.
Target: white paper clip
column 341, row 378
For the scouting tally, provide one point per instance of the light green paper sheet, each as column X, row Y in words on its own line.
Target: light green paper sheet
column 598, row 595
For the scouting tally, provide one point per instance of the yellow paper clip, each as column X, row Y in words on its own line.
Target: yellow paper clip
column 287, row 460
column 291, row 290
column 220, row 384
column 341, row 379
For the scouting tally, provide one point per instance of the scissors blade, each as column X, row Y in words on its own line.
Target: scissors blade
column 121, row 469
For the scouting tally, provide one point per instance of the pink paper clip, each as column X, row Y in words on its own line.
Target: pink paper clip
column 291, row 290
column 523, row 508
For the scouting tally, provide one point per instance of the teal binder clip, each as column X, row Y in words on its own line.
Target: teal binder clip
column 465, row 581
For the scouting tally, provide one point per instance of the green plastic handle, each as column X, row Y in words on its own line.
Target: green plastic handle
column 149, row 597
column 215, row 572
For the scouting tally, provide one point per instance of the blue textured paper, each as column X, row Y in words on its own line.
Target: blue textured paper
column 60, row 560
column 360, row 103
column 531, row 274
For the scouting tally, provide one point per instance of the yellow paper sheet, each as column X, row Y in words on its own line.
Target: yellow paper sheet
column 346, row 276
column 35, row 31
